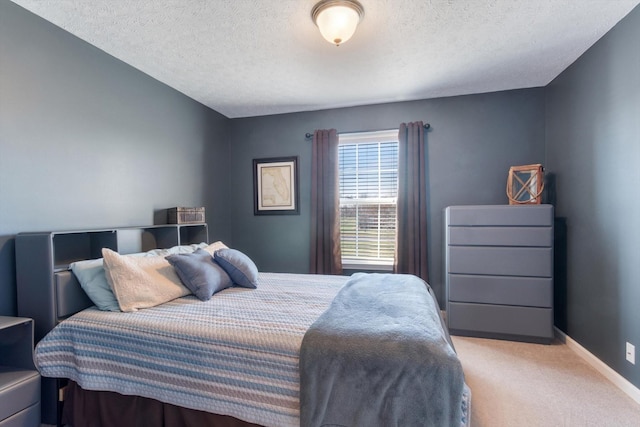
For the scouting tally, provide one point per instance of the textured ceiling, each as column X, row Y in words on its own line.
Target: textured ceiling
column 258, row 57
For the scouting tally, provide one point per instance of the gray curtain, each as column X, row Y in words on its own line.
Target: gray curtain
column 326, row 257
column 411, row 241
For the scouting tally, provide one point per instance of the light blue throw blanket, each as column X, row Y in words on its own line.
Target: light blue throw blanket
column 379, row 356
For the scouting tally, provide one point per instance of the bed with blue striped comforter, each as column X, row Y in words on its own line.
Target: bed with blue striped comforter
column 236, row 354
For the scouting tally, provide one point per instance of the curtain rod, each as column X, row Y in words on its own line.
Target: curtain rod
column 310, row 135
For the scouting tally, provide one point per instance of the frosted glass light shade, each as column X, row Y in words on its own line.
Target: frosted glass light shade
column 337, row 20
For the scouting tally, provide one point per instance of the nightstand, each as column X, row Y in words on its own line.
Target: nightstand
column 19, row 379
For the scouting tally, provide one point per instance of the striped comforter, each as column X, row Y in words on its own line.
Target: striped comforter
column 236, row 354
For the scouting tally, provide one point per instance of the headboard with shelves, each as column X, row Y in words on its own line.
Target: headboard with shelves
column 47, row 292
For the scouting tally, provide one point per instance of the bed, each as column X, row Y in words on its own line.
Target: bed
column 247, row 357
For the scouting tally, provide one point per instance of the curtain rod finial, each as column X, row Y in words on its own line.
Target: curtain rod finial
column 427, row 126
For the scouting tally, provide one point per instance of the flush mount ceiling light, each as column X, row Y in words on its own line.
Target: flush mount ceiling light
column 337, row 19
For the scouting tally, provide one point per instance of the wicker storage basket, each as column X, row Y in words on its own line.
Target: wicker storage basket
column 180, row 215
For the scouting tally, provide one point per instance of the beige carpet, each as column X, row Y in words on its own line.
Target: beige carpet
column 521, row 384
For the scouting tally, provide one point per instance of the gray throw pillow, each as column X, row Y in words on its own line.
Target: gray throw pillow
column 200, row 273
column 239, row 267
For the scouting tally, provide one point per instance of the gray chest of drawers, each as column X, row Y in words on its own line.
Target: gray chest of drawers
column 499, row 271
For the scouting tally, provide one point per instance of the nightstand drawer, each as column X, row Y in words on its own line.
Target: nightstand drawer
column 502, row 290
column 29, row 417
column 19, row 389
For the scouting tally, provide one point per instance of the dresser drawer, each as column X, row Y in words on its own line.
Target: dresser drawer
column 500, row 215
column 500, row 319
column 507, row 290
column 501, row 236
column 500, row 261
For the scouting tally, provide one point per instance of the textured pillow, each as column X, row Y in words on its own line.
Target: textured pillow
column 239, row 267
column 200, row 273
column 212, row 248
column 90, row 274
column 141, row 282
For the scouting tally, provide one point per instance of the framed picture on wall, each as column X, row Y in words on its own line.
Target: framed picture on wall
column 275, row 186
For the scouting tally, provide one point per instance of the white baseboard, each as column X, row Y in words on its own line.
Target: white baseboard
column 617, row 379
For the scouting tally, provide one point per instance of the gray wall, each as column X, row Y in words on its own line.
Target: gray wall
column 471, row 145
column 88, row 141
column 593, row 147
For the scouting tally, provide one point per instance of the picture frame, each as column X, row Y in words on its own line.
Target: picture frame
column 275, row 186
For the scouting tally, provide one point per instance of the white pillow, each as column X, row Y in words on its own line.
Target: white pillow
column 141, row 282
column 212, row 248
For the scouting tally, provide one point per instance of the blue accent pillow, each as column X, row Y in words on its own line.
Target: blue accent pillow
column 199, row 273
column 242, row 270
column 90, row 274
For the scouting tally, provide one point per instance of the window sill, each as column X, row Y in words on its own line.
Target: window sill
column 364, row 265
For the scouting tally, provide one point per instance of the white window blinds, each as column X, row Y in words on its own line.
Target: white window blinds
column 368, row 172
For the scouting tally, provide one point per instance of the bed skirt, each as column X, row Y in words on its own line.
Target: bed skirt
column 106, row 409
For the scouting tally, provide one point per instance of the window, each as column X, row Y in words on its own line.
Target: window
column 368, row 175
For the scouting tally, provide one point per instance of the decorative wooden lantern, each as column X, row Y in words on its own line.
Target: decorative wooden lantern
column 525, row 184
